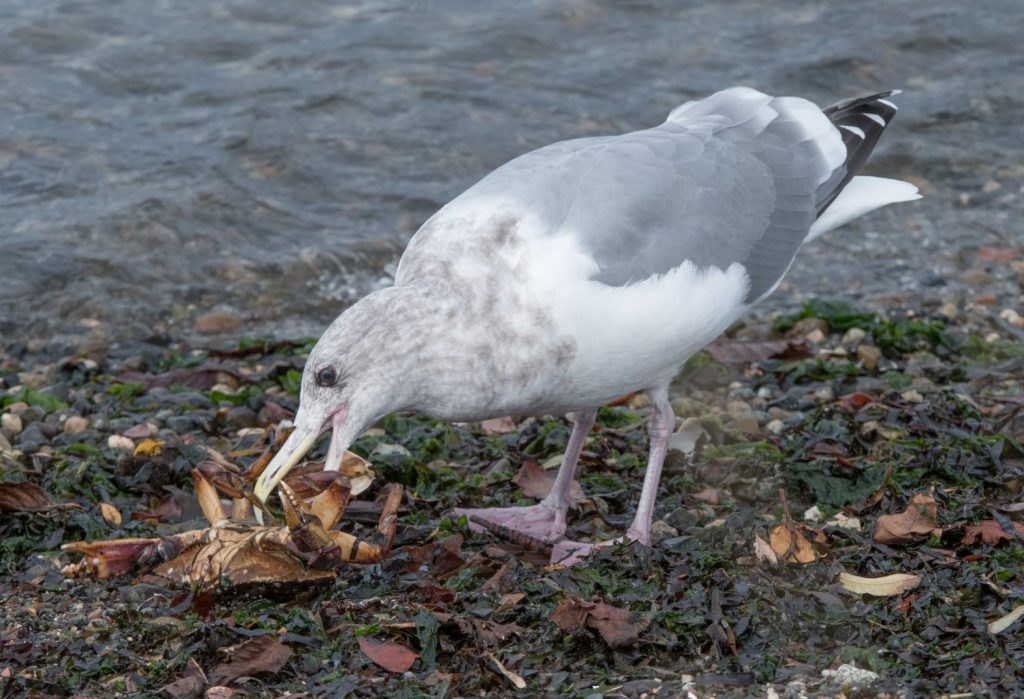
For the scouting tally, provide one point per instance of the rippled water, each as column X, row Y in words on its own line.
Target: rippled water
column 162, row 159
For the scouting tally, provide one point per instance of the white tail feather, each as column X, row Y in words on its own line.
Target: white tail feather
column 861, row 195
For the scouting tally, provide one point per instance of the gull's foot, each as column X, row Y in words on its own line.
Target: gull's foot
column 537, row 521
column 568, row 552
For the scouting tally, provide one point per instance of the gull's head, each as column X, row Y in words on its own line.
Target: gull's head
column 350, row 381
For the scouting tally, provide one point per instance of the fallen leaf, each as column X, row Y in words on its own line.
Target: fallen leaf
column 613, row 623
column 796, row 543
column 990, row 532
column 1005, row 622
column 764, row 551
column 259, row 654
column 200, row 378
column 690, row 435
column 24, row 497
column 498, row 425
column 537, row 482
column 515, row 679
column 917, row 522
column 110, row 514
column 884, row 586
column 749, row 352
column 390, row 656
column 149, row 447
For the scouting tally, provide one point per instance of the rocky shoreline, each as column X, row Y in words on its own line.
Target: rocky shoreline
column 846, row 410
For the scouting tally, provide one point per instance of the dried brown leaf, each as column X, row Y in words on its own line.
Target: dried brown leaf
column 257, row 655
column 990, row 532
column 390, row 656
column 796, row 543
column 537, row 482
column 613, row 623
column 747, row 352
column 24, row 497
column 917, row 522
column 515, row 679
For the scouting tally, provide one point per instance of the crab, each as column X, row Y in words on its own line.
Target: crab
column 235, row 550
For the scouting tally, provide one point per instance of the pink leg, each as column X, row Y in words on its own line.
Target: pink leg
column 546, row 519
column 660, row 429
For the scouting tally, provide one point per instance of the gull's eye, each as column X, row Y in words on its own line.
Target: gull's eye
column 328, row 376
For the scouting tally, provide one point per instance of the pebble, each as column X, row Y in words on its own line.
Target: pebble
column 32, row 413
column 868, row 355
column 912, row 396
column 117, row 441
column 180, row 423
column 850, row 675
column 775, row 426
column 737, row 408
column 12, row 422
column 806, row 326
column 31, row 438
column 1012, row 317
column 76, row 424
column 216, row 322
column 824, row 394
column 986, row 300
column 688, row 407
column 18, row 406
column 854, row 336
column 241, row 417
column 948, row 311
column 747, row 425
column 661, row 529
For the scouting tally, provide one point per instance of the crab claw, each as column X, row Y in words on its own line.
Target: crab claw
column 109, row 559
column 233, row 484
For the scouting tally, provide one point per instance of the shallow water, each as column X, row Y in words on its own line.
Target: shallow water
column 159, row 160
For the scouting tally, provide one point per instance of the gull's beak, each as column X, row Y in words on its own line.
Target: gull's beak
column 295, row 447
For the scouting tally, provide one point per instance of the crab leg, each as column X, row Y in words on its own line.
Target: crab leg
column 325, row 548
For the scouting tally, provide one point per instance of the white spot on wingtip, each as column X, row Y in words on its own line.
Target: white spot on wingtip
column 887, row 103
column 854, row 130
column 875, row 118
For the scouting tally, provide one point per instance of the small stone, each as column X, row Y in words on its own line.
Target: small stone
column 805, row 326
column 180, row 423
column 5, row 443
column 685, row 407
column 948, row 311
column 986, row 300
column 241, row 417
column 976, row 277
column 824, row 394
column 775, row 426
column 868, row 355
column 661, row 529
column 850, row 675
column 1012, row 317
column 854, row 336
column 992, row 337
column 18, row 406
column 75, row 424
column 117, row 441
column 912, row 396
column 737, row 408
column 32, row 413
column 216, row 322
column 31, row 438
column 813, row 514
column 12, row 422
column 747, row 425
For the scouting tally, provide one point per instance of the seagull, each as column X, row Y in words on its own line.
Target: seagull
column 587, row 270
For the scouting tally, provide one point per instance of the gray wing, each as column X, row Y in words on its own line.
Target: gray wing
column 734, row 178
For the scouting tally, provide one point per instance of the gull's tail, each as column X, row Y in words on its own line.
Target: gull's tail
column 860, row 122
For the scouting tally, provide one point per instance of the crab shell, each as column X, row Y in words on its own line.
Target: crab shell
column 233, row 552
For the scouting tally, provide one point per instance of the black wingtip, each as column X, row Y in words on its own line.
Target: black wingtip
column 860, row 121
